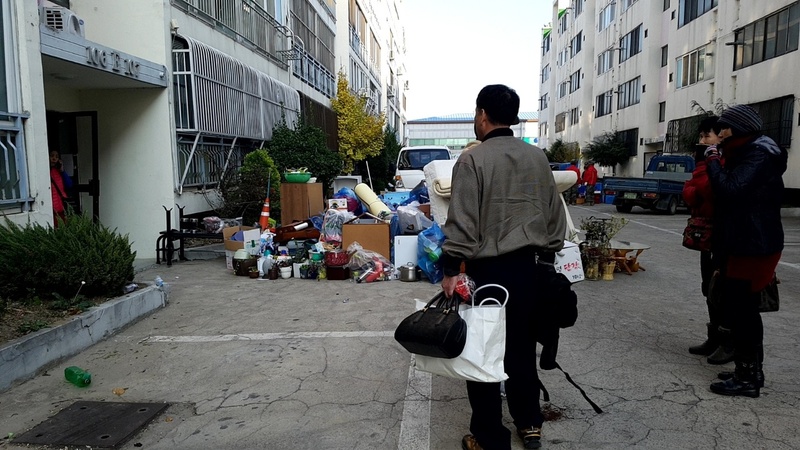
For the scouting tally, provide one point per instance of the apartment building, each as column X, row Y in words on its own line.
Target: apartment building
column 149, row 102
column 644, row 69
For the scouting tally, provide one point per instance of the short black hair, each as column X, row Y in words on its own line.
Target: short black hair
column 500, row 103
column 709, row 123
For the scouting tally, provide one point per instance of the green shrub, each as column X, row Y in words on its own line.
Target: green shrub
column 244, row 189
column 51, row 264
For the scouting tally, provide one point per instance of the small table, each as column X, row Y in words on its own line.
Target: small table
column 626, row 254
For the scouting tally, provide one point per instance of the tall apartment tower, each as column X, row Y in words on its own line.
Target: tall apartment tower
column 645, row 69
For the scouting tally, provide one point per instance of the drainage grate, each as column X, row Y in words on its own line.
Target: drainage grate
column 93, row 424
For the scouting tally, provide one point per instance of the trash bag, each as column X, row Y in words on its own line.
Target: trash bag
column 332, row 224
column 372, row 266
column 412, row 220
column 429, row 249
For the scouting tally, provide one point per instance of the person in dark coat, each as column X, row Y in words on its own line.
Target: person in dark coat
column 747, row 218
column 698, row 195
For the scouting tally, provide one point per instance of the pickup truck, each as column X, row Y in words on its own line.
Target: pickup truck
column 659, row 190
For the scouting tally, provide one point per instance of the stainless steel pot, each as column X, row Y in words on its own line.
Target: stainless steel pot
column 408, row 272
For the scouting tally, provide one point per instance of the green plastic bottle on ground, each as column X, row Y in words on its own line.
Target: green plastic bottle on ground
column 77, row 376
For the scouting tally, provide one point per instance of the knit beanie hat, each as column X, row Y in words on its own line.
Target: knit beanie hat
column 741, row 119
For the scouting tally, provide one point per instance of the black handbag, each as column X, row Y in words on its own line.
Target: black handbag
column 436, row 330
column 770, row 300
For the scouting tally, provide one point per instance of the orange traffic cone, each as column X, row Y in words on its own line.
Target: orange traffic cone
column 264, row 220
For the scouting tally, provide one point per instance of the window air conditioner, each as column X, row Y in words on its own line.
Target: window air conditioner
column 62, row 19
column 390, row 92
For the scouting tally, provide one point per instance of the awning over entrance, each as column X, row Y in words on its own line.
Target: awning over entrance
column 73, row 61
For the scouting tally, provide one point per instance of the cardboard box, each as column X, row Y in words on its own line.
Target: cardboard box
column 426, row 209
column 371, row 234
column 250, row 234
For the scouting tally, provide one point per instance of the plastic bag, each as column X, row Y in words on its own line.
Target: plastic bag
column 332, row 224
column 419, row 194
column 353, row 203
column 372, row 266
column 429, row 248
column 412, row 220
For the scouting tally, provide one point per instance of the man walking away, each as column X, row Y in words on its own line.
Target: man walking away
column 590, row 179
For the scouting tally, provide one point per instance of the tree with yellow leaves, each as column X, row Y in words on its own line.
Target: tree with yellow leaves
column 360, row 133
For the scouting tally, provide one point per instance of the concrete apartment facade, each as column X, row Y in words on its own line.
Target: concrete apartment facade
column 645, row 68
column 457, row 130
column 148, row 102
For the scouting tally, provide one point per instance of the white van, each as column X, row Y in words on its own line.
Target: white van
column 411, row 160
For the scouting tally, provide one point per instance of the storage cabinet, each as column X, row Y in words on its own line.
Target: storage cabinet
column 299, row 201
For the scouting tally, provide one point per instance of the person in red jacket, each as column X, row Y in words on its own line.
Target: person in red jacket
column 60, row 183
column 590, row 180
column 698, row 195
column 572, row 193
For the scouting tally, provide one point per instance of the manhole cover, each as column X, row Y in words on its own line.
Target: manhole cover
column 93, row 424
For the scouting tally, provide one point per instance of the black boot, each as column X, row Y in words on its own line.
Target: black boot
column 724, row 353
column 744, row 381
column 759, row 371
column 711, row 343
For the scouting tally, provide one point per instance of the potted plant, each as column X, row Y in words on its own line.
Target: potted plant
column 253, row 272
column 598, row 258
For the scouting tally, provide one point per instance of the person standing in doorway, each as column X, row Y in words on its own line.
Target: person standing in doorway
column 747, row 220
column 505, row 215
column 590, row 180
column 60, row 184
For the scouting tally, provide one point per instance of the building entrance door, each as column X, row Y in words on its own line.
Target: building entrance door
column 74, row 135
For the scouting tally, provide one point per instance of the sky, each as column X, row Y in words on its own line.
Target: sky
column 456, row 47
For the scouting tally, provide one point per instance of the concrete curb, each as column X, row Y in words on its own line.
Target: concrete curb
column 23, row 358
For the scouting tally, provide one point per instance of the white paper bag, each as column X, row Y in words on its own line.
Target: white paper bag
column 482, row 357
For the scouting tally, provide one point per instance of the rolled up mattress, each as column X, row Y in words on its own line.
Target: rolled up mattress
column 565, row 179
column 374, row 204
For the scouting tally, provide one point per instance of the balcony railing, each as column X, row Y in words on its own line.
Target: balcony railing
column 13, row 169
column 244, row 21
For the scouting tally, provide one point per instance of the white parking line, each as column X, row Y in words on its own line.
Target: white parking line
column 269, row 336
column 415, row 426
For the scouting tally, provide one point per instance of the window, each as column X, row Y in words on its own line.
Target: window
column 3, row 78
column 578, row 7
column 575, row 81
column 603, row 106
column 562, row 21
column 629, row 93
column 767, row 38
column 606, row 16
column 664, row 56
column 777, row 116
column 573, row 116
column 627, row 4
column 546, row 41
column 630, row 44
column 604, row 61
column 562, row 89
column 688, row 10
column 575, row 44
column 543, row 129
column 543, row 102
column 693, row 67
column 561, row 120
column 545, row 75
column 666, row 5
column 662, row 112
column 631, row 140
